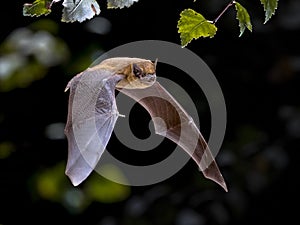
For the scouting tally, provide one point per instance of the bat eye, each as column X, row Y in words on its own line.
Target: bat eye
column 137, row 71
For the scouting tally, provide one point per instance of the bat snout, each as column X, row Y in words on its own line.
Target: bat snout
column 149, row 79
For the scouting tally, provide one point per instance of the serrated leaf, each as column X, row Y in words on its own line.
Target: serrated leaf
column 79, row 10
column 37, row 8
column 112, row 4
column 270, row 7
column 243, row 17
column 193, row 25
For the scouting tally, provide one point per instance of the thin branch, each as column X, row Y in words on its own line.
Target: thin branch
column 224, row 10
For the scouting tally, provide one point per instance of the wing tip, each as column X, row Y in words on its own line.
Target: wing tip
column 213, row 173
column 75, row 180
column 223, row 185
column 219, row 180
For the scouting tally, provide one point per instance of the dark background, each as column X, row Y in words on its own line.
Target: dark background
column 259, row 76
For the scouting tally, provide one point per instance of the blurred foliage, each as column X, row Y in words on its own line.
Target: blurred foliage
column 6, row 149
column 102, row 190
column 28, row 53
column 52, row 184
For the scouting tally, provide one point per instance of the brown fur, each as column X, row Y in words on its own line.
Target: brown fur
column 123, row 66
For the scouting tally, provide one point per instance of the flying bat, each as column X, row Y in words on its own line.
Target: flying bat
column 92, row 115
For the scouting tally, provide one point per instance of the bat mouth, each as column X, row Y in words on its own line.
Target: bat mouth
column 149, row 79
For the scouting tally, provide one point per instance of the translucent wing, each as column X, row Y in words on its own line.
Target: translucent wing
column 92, row 114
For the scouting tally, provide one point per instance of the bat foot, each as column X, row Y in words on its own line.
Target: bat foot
column 121, row 115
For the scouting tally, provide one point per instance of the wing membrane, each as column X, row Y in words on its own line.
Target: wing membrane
column 178, row 126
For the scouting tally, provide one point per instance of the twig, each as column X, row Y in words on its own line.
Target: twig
column 224, row 10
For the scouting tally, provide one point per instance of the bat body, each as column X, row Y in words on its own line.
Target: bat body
column 92, row 114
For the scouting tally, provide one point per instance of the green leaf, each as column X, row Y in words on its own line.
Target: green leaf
column 37, row 8
column 193, row 25
column 79, row 10
column 270, row 7
column 243, row 17
column 112, row 4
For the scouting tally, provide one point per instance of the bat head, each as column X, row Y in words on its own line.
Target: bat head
column 138, row 75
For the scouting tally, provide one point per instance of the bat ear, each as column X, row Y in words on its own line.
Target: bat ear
column 155, row 62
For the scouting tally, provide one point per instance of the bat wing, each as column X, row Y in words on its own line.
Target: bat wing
column 178, row 126
column 92, row 114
